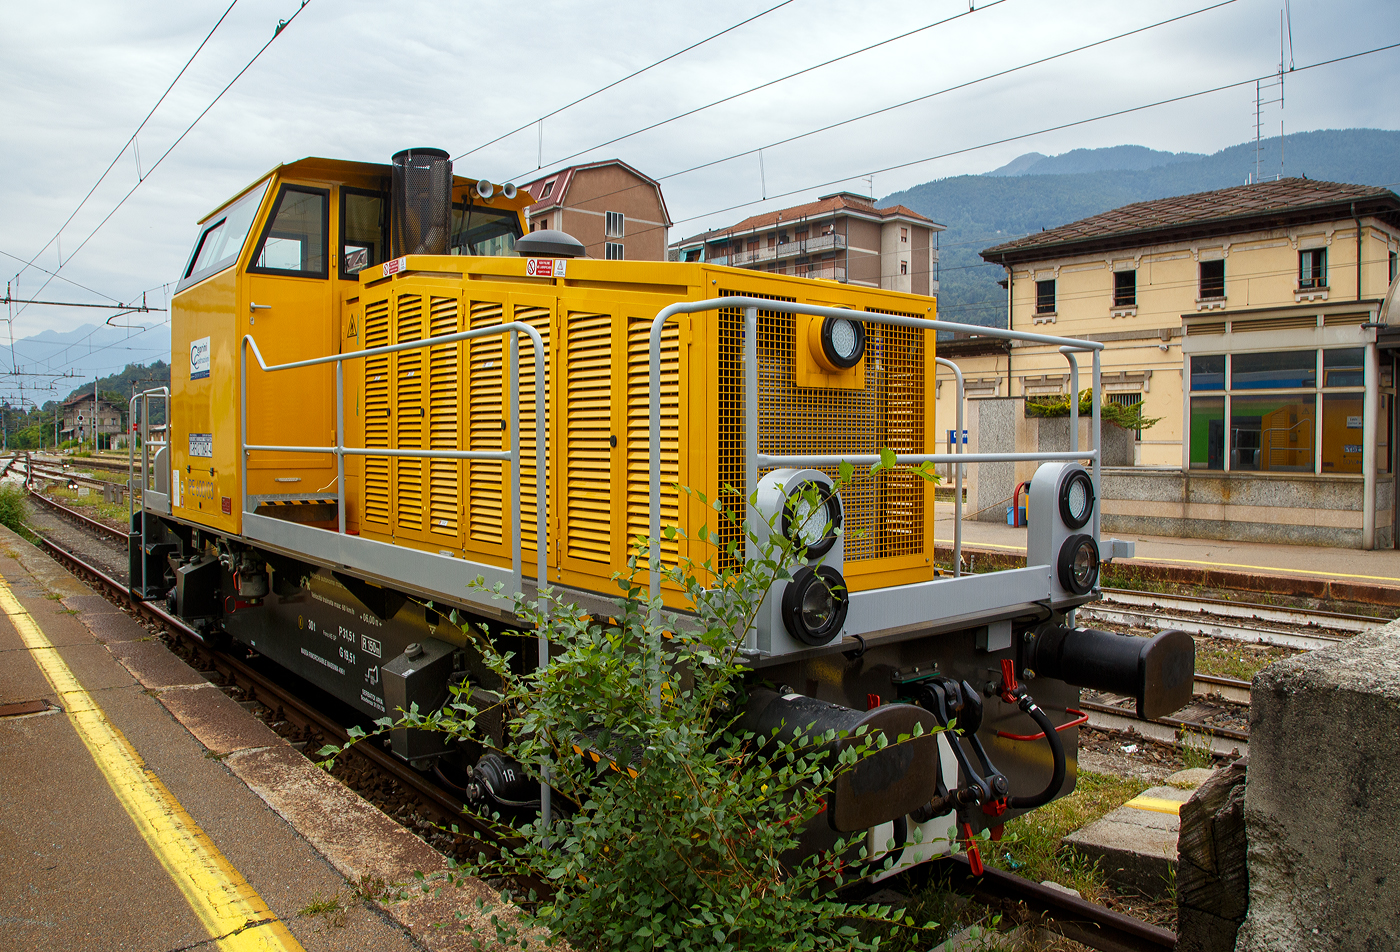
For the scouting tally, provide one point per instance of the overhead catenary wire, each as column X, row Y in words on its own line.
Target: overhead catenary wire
column 129, row 143
column 281, row 25
column 775, row 82
column 618, row 82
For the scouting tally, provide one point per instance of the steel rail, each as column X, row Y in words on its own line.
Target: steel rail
column 84, row 521
column 1138, row 618
column 1336, row 621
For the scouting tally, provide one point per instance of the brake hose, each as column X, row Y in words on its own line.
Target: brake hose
column 1057, row 751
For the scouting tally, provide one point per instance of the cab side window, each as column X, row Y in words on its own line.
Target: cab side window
column 362, row 231
column 294, row 241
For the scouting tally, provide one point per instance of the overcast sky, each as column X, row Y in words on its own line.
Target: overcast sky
column 359, row 80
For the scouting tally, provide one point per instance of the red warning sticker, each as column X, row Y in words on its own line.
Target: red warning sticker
column 395, row 266
column 546, row 267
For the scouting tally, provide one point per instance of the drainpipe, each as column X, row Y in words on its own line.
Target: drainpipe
column 1358, row 250
column 1010, row 281
column 1368, row 446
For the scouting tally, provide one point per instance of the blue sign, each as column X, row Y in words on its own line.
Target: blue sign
column 953, row 438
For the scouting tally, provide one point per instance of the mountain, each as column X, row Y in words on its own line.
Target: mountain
column 79, row 354
column 1018, row 198
column 1118, row 157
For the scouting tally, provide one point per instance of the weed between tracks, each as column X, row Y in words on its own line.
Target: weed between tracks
column 112, row 513
column 1234, row 659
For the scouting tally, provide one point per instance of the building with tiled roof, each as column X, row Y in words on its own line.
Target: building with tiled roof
column 840, row 237
column 1246, row 319
column 616, row 211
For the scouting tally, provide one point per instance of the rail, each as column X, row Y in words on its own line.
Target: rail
column 754, row 460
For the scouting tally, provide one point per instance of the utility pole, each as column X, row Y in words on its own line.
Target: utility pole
column 94, row 416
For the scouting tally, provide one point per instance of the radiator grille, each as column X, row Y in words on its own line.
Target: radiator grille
column 885, row 513
column 443, row 474
column 485, row 413
column 376, row 414
column 408, row 414
column 587, row 425
column 639, row 434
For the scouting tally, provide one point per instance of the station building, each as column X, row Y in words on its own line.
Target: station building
column 1254, row 321
column 840, row 237
column 81, row 414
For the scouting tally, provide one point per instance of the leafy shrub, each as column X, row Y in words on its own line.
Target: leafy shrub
column 12, row 507
column 672, row 828
column 1129, row 417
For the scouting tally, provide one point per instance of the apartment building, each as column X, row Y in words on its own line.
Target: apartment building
column 616, row 211
column 1254, row 322
column 840, row 237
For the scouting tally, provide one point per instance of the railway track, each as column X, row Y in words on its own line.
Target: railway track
column 1088, row 923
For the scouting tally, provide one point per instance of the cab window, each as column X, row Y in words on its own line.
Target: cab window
column 363, row 231
column 294, row 241
column 480, row 230
column 222, row 239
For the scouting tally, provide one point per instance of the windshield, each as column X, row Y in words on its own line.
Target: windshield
column 222, row 239
column 479, row 230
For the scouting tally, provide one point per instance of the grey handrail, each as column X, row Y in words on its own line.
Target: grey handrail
column 753, row 459
column 957, row 467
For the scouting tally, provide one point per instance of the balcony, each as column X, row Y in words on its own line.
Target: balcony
column 786, row 249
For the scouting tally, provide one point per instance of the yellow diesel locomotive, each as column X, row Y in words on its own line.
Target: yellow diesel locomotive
column 383, row 389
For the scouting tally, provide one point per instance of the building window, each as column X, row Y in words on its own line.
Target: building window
column 1212, row 279
column 1045, row 297
column 613, row 250
column 904, row 235
column 1127, row 400
column 1312, row 268
column 1124, row 288
column 1267, row 417
column 904, row 267
column 1392, row 267
column 548, row 187
column 614, row 224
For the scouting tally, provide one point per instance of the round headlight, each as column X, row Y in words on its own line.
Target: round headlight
column 811, row 516
column 841, row 343
column 1076, row 499
column 1079, row 564
column 814, row 604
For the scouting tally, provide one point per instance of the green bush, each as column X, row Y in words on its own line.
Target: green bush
column 671, row 828
column 12, row 507
column 1129, row 417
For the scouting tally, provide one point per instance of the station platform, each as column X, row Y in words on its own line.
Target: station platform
column 145, row 810
column 1346, row 570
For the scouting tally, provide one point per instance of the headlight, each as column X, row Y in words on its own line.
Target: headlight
column 1079, row 564
column 1077, row 499
column 814, row 604
column 811, row 517
column 838, row 343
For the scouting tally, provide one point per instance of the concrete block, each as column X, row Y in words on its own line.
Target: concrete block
column 1135, row 845
column 1320, row 809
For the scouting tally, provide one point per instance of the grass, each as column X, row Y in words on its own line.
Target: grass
column 12, row 507
column 1031, row 844
column 92, row 504
column 330, row 908
column 1235, row 659
column 1195, row 750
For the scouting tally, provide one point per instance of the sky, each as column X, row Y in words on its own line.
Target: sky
column 359, row 80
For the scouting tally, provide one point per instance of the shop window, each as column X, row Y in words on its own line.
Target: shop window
column 1212, row 279
column 294, row 241
column 1208, row 372
column 1278, row 370
column 1342, row 416
column 1312, row 268
column 1344, row 367
column 1273, row 433
column 1045, row 297
column 1207, row 448
column 1124, row 288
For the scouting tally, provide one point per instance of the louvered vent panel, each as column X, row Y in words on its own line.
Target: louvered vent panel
column 1306, row 322
column 639, row 434
column 408, row 414
column 485, row 411
column 587, row 494
column 444, row 475
column 376, row 411
column 538, row 318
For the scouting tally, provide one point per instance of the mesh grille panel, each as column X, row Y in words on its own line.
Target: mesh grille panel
column 884, row 514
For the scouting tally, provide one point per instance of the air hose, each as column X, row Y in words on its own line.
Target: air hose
column 1057, row 751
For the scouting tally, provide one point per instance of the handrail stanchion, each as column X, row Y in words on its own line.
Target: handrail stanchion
column 750, row 422
column 514, row 404
column 1069, row 353
column 340, row 442
column 957, row 468
column 1098, row 443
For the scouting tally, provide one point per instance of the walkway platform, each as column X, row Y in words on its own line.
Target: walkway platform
column 1345, row 574
column 145, row 810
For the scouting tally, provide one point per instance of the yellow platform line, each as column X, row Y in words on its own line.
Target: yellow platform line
column 1155, row 804
column 230, row 909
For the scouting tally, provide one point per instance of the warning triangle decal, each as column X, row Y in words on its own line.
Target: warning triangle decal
column 352, row 332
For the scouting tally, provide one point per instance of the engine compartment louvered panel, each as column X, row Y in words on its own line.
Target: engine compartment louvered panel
column 485, row 427
column 587, row 407
column 639, row 434
column 540, row 319
column 376, row 411
column 409, row 413
column 444, row 476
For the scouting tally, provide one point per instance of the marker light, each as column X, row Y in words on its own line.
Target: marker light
column 814, row 604
column 1079, row 564
column 811, row 517
column 1076, row 499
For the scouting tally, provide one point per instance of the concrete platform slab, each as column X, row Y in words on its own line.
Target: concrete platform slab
column 1135, row 845
column 217, row 721
column 153, row 665
column 115, row 627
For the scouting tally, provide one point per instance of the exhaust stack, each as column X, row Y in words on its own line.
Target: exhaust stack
column 422, row 203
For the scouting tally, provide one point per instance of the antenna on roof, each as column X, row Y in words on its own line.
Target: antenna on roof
column 870, row 181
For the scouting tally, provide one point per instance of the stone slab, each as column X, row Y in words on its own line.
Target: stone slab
column 153, row 665
column 1135, row 845
column 217, row 721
